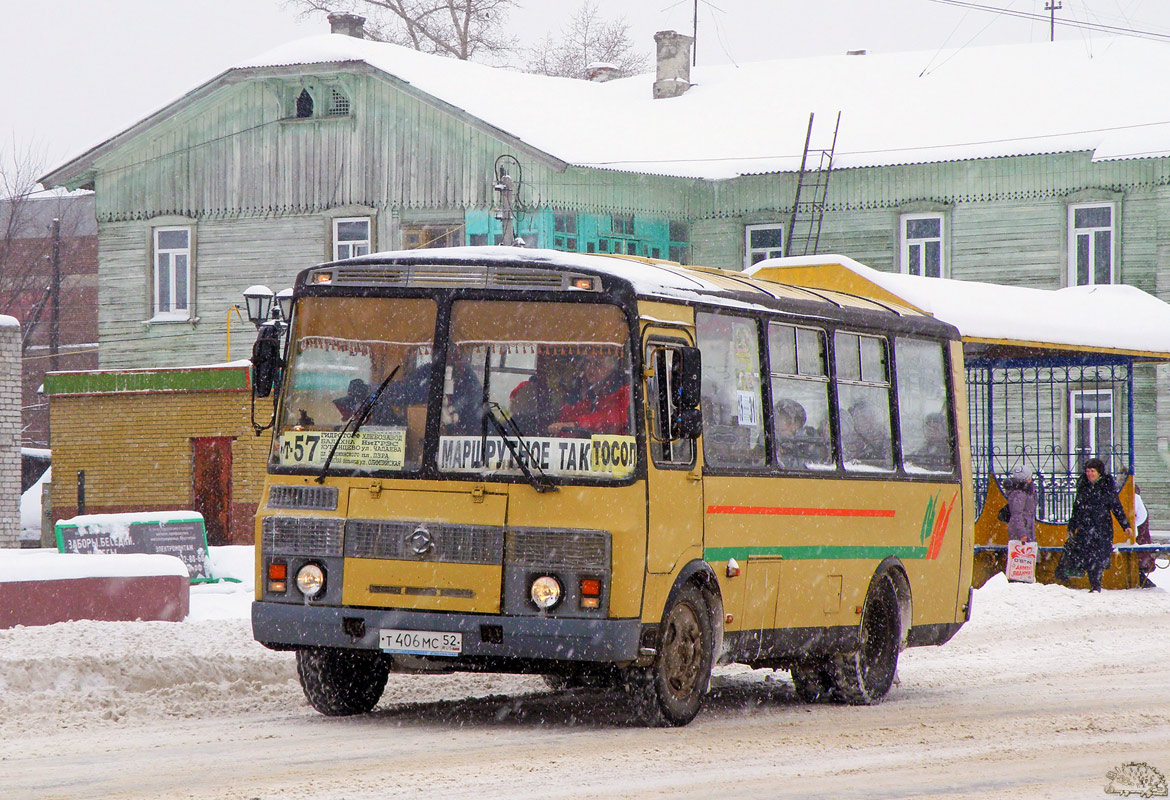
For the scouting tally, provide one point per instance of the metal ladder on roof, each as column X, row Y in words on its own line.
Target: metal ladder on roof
column 812, row 187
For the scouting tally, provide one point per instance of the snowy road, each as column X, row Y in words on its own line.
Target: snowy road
column 1043, row 694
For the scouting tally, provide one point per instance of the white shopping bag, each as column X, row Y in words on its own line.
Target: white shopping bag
column 1021, row 561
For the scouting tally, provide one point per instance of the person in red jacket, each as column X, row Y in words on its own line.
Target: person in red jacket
column 605, row 407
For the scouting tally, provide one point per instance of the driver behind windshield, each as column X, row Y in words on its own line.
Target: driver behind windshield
column 605, row 405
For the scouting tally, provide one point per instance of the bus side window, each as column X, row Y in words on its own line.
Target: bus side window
column 661, row 397
column 800, row 398
column 733, row 418
column 863, row 398
column 925, row 426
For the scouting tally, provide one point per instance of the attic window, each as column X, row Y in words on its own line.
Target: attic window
column 304, row 104
column 338, row 103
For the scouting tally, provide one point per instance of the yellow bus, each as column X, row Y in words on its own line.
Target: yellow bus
column 610, row 471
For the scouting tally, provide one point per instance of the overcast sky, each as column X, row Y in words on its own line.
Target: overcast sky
column 75, row 72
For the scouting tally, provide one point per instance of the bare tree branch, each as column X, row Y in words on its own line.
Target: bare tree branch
column 462, row 29
column 588, row 39
column 25, row 238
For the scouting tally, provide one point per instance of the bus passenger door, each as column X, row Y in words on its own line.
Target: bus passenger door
column 673, row 484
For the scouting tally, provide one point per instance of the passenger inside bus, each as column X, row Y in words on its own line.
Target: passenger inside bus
column 791, row 438
column 864, row 437
column 605, row 404
column 536, row 403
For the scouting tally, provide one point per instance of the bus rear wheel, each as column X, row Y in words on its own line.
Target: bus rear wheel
column 671, row 691
column 864, row 676
column 340, row 683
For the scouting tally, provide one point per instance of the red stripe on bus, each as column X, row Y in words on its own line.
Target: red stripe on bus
column 802, row 512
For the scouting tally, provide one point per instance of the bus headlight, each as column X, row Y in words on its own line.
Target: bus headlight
column 545, row 592
column 311, row 580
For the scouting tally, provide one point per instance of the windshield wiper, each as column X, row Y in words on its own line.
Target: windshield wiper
column 358, row 419
column 541, row 484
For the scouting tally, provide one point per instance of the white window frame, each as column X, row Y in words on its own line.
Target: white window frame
column 919, row 243
column 1075, row 233
column 1092, row 418
column 166, row 258
column 766, row 252
column 352, row 247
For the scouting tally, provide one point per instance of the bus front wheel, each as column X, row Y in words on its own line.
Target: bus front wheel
column 340, row 683
column 864, row 676
column 671, row 691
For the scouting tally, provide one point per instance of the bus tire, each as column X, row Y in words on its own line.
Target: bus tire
column 670, row 692
column 813, row 681
column 864, row 676
column 340, row 683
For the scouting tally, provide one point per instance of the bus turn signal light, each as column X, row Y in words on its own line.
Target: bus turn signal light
column 277, row 577
column 590, row 593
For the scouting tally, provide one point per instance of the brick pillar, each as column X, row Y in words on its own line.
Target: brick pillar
column 9, row 432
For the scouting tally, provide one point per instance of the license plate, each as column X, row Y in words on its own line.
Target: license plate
column 421, row 643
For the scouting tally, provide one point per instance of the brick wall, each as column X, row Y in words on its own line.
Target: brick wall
column 134, row 442
column 9, row 432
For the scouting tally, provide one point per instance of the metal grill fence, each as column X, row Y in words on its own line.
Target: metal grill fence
column 1050, row 415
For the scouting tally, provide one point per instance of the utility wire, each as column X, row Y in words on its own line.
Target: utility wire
column 1085, row 25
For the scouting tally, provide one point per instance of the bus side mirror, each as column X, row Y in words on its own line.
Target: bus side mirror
column 266, row 361
column 688, row 418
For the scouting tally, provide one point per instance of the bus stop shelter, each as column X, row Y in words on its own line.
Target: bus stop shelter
column 1050, row 384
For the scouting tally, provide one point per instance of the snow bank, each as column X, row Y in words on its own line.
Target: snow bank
column 30, row 508
column 43, row 564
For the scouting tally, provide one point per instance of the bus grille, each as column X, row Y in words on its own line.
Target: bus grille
column 456, row 276
column 317, row 536
column 397, row 540
column 316, row 498
column 568, row 549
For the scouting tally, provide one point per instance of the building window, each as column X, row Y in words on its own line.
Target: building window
column 338, row 103
column 565, row 222
column 427, row 236
column 1090, row 244
column 761, row 242
column 351, row 237
column 304, row 105
column 923, row 251
column 172, row 273
column 1090, row 428
column 623, row 224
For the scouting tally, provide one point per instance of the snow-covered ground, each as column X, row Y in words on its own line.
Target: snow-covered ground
column 1042, row 694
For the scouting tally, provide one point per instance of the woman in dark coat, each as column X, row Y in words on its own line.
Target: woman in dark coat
column 1090, row 543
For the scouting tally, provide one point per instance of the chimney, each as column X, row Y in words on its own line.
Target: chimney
column 600, row 72
column 347, row 25
column 674, row 64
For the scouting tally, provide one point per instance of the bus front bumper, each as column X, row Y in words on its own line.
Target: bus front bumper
column 485, row 637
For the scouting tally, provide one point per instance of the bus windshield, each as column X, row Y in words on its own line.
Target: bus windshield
column 556, row 377
column 545, row 386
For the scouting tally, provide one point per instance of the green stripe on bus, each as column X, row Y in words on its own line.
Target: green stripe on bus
column 814, row 552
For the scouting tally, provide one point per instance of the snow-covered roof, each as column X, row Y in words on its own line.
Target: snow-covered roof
column 738, row 119
column 1116, row 318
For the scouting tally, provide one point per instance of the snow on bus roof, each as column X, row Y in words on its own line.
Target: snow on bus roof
column 1000, row 115
column 1111, row 317
column 648, row 278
